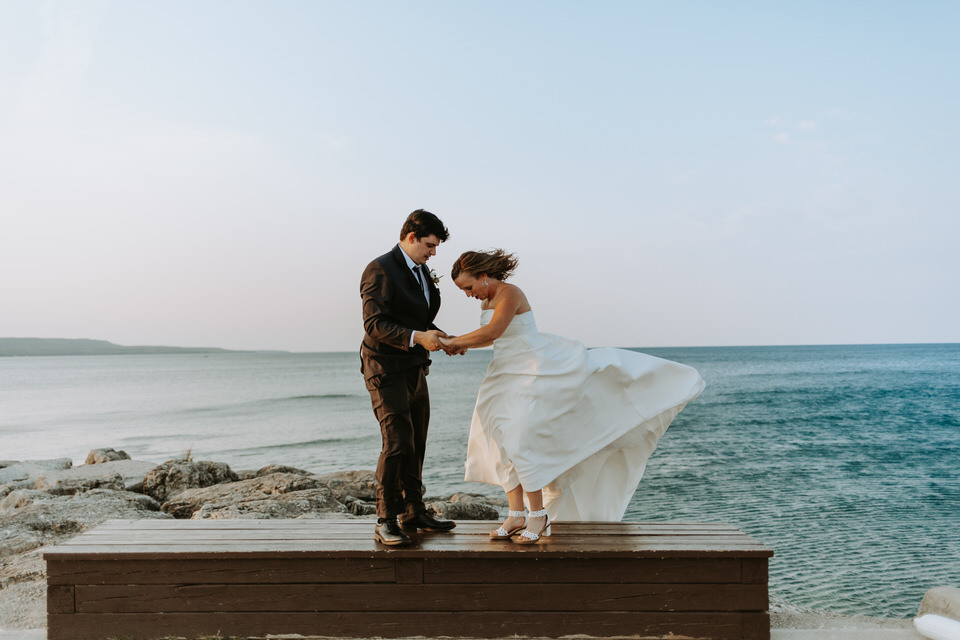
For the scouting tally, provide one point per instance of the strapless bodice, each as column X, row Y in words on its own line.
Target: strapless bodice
column 521, row 324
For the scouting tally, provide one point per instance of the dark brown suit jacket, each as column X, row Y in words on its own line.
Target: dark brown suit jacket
column 394, row 307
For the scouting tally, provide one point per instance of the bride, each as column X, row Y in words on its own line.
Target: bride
column 565, row 429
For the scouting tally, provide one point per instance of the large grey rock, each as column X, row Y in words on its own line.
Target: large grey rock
column 359, row 507
column 465, row 506
column 176, row 476
column 24, row 473
column 306, row 503
column 99, row 456
column 31, row 518
column 70, row 486
column 280, row 468
column 358, row 485
column 246, row 474
column 257, row 495
column 14, row 470
column 941, row 601
column 118, row 474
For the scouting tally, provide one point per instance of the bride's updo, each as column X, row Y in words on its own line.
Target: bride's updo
column 497, row 264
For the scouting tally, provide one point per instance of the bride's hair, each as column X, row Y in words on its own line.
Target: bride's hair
column 497, row 264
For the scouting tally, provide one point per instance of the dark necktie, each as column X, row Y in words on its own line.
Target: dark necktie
column 416, row 270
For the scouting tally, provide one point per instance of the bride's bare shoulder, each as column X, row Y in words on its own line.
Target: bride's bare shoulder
column 519, row 296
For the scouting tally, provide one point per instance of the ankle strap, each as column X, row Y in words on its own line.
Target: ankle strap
column 516, row 514
column 538, row 514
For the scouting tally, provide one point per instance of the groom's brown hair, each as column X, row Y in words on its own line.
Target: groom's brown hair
column 423, row 223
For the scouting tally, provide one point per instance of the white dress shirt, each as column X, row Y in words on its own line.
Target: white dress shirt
column 423, row 278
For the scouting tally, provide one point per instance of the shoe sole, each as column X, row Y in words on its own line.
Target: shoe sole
column 433, row 529
column 391, row 543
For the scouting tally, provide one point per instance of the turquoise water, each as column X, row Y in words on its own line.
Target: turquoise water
column 844, row 459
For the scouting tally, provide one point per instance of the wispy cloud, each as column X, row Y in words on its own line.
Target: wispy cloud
column 795, row 133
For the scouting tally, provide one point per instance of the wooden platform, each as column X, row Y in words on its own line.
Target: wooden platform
column 155, row 578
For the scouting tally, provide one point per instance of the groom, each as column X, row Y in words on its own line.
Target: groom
column 400, row 302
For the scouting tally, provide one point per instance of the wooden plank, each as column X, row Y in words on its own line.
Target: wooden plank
column 161, row 536
column 153, row 535
column 488, row 624
column 409, row 570
column 342, row 531
column 421, row 543
column 323, row 523
column 147, row 552
column 419, row 597
column 754, row 570
column 172, row 570
column 581, row 570
column 756, row 626
column 127, row 543
column 60, row 599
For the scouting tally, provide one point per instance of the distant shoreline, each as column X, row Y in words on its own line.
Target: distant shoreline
column 12, row 347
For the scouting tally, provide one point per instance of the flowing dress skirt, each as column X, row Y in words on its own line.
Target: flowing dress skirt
column 579, row 424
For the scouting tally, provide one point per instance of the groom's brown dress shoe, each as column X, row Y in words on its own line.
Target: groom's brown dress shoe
column 388, row 532
column 428, row 523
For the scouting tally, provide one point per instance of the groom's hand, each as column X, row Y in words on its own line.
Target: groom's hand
column 451, row 350
column 429, row 340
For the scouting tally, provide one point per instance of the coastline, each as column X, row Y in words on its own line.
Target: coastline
column 44, row 502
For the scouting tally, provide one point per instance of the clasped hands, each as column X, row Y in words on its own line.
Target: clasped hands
column 435, row 340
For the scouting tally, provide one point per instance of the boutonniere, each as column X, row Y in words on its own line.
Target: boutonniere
column 435, row 277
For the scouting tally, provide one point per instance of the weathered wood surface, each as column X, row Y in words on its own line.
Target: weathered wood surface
column 149, row 579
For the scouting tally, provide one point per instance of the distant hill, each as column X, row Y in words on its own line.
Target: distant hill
column 83, row 347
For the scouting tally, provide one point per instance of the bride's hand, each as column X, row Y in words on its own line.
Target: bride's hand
column 446, row 343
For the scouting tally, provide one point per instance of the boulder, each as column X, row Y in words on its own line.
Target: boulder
column 358, row 507
column 24, row 474
column 14, row 470
column 31, row 518
column 358, row 485
column 465, row 506
column 70, row 486
column 117, row 474
column 176, row 476
column 99, row 456
column 280, row 468
column 941, row 601
column 306, row 503
column 264, row 489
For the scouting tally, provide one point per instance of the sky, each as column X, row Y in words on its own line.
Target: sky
column 219, row 173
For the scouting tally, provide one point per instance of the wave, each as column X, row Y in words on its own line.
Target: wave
column 267, row 403
column 308, row 443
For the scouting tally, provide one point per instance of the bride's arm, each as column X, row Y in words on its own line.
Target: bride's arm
column 510, row 301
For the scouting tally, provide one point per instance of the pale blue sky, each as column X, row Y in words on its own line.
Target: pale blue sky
column 671, row 173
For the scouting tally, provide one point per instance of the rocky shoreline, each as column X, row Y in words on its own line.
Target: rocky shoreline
column 43, row 502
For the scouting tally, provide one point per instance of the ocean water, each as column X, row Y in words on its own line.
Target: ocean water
column 844, row 459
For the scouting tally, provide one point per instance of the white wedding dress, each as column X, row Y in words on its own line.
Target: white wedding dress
column 577, row 423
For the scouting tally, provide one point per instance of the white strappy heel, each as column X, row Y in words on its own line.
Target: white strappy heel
column 504, row 534
column 528, row 537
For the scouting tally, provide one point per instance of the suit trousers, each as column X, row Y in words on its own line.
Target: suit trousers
column 401, row 403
